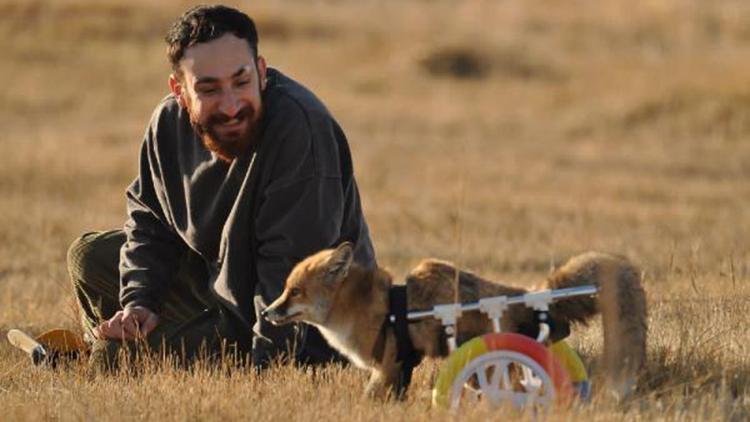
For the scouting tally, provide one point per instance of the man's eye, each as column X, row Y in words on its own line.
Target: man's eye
column 243, row 82
column 206, row 91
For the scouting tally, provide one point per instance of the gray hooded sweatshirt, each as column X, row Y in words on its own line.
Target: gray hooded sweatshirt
column 250, row 220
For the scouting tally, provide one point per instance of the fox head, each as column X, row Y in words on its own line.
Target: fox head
column 311, row 286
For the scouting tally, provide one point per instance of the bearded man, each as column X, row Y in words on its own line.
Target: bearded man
column 242, row 173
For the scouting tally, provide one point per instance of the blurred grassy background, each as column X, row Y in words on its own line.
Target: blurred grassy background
column 505, row 136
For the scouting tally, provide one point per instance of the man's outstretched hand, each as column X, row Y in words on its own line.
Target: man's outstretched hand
column 134, row 322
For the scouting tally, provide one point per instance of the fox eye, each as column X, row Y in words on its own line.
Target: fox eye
column 294, row 291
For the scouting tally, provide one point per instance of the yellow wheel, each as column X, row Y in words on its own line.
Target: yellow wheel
column 502, row 368
column 572, row 363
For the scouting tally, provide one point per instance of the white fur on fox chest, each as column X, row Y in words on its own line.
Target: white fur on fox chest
column 339, row 339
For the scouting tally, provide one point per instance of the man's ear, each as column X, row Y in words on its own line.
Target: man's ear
column 176, row 87
column 340, row 262
column 262, row 68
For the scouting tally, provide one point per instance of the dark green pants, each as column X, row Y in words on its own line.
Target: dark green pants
column 192, row 323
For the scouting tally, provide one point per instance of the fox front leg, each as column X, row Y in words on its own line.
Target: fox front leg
column 382, row 384
column 376, row 388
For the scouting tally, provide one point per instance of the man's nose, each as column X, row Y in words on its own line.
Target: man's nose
column 230, row 104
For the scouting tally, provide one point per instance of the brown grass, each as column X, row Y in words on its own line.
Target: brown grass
column 611, row 125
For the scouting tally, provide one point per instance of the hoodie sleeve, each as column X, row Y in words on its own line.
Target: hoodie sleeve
column 149, row 257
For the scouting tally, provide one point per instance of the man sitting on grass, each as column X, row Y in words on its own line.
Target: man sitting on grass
column 242, row 173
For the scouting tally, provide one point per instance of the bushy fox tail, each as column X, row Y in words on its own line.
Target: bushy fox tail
column 622, row 303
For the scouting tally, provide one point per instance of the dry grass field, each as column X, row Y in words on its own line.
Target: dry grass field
column 502, row 135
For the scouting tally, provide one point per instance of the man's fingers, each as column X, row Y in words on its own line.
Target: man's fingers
column 112, row 328
column 139, row 321
column 130, row 326
column 123, row 325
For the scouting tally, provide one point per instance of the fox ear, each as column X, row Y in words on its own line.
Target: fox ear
column 340, row 261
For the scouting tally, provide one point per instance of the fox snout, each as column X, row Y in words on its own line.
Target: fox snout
column 275, row 314
column 283, row 311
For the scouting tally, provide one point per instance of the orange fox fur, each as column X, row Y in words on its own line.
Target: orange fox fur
column 349, row 303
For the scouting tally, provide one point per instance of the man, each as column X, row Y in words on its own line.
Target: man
column 243, row 172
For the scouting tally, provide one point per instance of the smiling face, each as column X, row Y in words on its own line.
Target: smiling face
column 220, row 83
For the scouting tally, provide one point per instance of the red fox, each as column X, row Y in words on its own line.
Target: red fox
column 349, row 304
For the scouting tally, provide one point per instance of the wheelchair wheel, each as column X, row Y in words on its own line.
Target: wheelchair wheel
column 573, row 365
column 500, row 369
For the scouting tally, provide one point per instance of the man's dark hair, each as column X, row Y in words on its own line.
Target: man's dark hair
column 205, row 23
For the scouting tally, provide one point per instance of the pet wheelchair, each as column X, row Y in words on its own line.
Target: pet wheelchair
column 508, row 368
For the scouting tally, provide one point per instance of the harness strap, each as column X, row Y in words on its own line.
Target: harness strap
column 405, row 353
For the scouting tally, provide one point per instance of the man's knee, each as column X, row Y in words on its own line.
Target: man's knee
column 80, row 255
column 94, row 253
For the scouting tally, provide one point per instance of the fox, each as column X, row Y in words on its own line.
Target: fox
column 348, row 303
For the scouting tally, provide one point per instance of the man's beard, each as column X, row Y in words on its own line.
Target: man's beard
column 227, row 148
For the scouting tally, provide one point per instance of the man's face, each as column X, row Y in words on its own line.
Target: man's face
column 220, row 86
